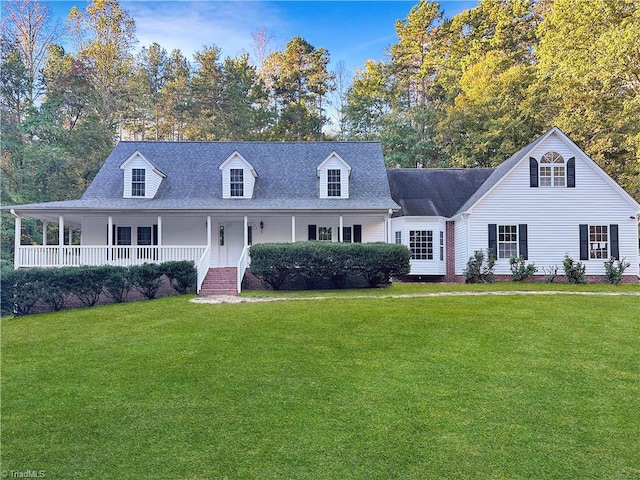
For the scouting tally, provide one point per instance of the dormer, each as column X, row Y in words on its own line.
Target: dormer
column 334, row 175
column 141, row 178
column 238, row 177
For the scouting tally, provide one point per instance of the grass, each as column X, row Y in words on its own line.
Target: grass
column 495, row 387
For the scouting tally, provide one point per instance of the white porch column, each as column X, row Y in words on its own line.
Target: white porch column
column 246, row 232
column 45, row 225
column 340, row 239
column 159, row 231
column 60, row 239
column 18, row 233
column 209, row 232
column 110, row 231
column 293, row 228
column 70, row 236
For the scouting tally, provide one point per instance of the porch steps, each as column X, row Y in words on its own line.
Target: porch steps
column 220, row 281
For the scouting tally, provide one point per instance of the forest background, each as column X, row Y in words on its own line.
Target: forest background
column 466, row 91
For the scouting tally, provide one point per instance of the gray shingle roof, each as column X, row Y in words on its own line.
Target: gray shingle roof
column 434, row 191
column 286, row 177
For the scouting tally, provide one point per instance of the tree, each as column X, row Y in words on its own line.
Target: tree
column 300, row 83
column 28, row 24
column 105, row 37
column 593, row 81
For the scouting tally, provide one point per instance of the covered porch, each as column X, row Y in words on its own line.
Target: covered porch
column 209, row 239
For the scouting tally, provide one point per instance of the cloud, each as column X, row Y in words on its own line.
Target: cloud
column 189, row 26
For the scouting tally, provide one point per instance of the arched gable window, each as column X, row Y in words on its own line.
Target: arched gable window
column 552, row 170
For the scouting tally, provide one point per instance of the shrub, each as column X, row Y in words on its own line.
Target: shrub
column 574, row 271
column 117, row 283
column 614, row 272
column 57, row 285
column 519, row 270
column 182, row 275
column 88, row 284
column 7, row 291
column 480, row 269
column 325, row 261
column 146, row 279
column 550, row 273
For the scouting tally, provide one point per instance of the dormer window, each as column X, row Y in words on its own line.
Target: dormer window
column 138, row 182
column 141, row 178
column 334, row 175
column 238, row 177
column 552, row 170
column 237, row 182
column 333, row 183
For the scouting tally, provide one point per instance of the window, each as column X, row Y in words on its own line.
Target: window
column 346, row 234
column 552, row 170
column 598, row 241
column 249, row 235
column 507, row 241
column 441, row 246
column 333, row 183
column 399, row 237
column 138, row 182
column 237, row 182
column 144, row 236
column 123, row 236
column 324, row 233
column 421, row 244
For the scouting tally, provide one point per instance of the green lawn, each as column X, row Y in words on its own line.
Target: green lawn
column 465, row 387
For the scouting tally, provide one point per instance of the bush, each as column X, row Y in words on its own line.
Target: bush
column 550, row 273
column 480, row 269
column 182, row 275
column 56, row 285
column 614, row 272
column 320, row 261
column 519, row 270
column 574, row 271
column 88, row 284
column 146, row 279
column 117, row 283
column 7, row 291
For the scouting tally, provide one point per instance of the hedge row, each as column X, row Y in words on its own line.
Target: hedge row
column 316, row 262
column 21, row 290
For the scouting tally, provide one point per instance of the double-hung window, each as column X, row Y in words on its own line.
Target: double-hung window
column 324, row 233
column 421, row 244
column 333, row 183
column 236, row 182
column 138, row 181
column 598, row 241
column 507, row 241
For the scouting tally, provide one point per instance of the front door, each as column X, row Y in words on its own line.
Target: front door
column 231, row 243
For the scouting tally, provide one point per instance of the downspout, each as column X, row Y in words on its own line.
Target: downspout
column 17, row 239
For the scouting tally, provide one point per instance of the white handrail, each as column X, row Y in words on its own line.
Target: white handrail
column 202, row 267
column 243, row 263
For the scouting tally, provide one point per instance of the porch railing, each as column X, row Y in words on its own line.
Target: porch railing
column 83, row 255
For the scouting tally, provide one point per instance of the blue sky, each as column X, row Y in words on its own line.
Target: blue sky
column 352, row 31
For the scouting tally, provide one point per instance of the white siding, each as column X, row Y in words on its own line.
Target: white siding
column 553, row 214
column 462, row 252
column 434, row 224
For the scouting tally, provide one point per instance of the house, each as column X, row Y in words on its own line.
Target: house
column 209, row 201
column 547, row 200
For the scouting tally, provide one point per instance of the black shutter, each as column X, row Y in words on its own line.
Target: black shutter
column 357, row 234
column 613, row 240
column 312, row 232
column 571, row 172
column 522, row 241
column 154, row 235
column 533, row 172
column 584, row 242
column 493, row 238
